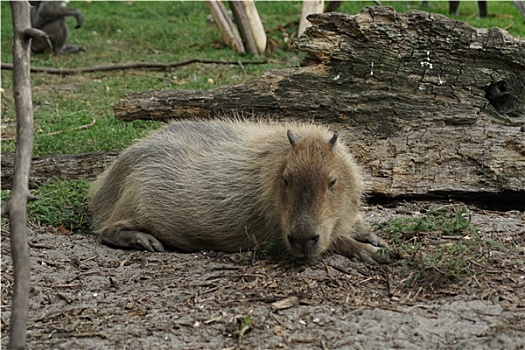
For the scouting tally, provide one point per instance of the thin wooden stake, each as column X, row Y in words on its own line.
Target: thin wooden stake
column 309, row 7
column 257, row 28
column 244, row 26
column 226, row 26
column 17, row 204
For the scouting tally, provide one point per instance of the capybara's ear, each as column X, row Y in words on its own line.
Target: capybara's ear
column 292, row 138
column 333, row 140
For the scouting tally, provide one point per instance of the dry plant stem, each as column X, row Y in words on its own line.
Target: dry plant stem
column 17, row 205
column 126, row 66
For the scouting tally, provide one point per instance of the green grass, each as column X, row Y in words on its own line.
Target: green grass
column 439, row 247
column 59, row 204
column 168, row 31
column 441, row 222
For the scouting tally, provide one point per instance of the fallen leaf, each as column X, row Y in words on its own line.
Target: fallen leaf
column 285, row 303
column 61, row 230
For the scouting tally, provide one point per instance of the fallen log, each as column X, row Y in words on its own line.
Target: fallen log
column 89, row 165
column 64, row 167
column 431, row 106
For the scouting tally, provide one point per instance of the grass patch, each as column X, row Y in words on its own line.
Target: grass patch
column 61, row 205
column 439, row 247
column 444, row 221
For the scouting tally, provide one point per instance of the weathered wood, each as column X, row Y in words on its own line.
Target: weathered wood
column 256, row 25
column 430, row 105
column 228, row 29
column 375, row 63
column 65, row 167
column 16, row 206
column 309, row 7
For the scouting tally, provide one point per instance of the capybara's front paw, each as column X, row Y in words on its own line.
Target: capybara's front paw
column 140, row 240
column 131, row 239
column 371, row 253
column 374, row 255
column 367, row 236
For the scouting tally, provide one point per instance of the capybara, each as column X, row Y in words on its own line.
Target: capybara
column 231, row 185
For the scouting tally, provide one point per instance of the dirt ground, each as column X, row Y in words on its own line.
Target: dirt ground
column 88, row 296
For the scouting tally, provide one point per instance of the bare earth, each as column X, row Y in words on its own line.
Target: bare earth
column 88, row 296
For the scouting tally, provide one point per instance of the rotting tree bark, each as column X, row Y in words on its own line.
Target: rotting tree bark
column 431, row 106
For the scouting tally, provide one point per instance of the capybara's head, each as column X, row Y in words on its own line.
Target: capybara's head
column 315, row 189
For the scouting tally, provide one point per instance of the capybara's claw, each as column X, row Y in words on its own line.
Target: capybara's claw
column 126, row 238
column 141, row 240
column 374, row 255
column 367, row 236
column 381, row 255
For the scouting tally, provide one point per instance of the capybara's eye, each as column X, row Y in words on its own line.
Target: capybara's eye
column 285, row 181
column 332, row 184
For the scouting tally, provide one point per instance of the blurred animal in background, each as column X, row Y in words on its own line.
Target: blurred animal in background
column 520, row 5
column 50, row 17
column 453, row 7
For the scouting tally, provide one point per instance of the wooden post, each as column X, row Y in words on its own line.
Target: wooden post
column 244, row 27
column 226, row 26
column 309, row 7
column 257, row 28
column 16, row 207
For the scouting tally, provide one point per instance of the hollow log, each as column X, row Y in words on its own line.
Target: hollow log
column 430, row 106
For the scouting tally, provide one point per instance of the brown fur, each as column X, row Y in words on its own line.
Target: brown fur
column 231, row 185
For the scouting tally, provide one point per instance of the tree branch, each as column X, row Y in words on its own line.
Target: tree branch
column 17, row 204
column 58, row 132
column 127, row 66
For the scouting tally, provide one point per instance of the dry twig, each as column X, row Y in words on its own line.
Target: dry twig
column 54, row 133
column 127, row 66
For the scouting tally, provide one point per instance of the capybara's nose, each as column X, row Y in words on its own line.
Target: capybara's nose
column 304, row 244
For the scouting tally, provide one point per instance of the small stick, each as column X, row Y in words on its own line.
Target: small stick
column 126, row 66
